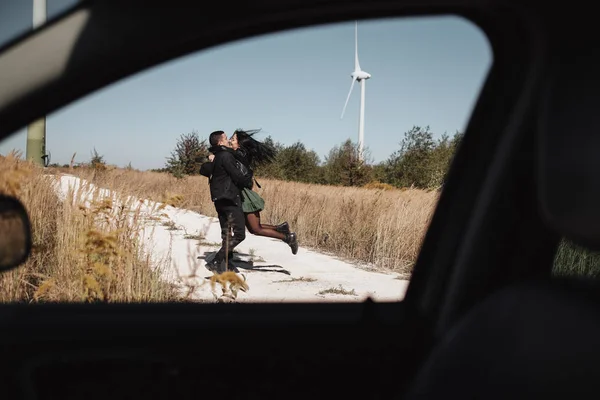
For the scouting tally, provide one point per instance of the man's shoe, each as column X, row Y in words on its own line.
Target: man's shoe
column 231, row 266
column 292, row 240
column 283, row 228
column 216, row 266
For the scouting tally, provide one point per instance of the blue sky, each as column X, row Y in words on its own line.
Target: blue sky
column 425, row 71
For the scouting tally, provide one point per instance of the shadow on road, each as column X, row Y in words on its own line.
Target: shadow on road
column 238, row 262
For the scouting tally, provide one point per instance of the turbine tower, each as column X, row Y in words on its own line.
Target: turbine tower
column 36, row 131
column 360, row 76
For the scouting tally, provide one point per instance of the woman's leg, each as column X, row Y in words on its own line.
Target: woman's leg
column 283, row 227
column 254, row 226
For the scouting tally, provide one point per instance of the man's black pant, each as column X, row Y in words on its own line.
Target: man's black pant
column 231, row 218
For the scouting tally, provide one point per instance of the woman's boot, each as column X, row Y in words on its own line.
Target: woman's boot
column 292, row 240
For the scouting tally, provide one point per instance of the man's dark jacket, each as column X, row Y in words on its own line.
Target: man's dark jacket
column 226, row 178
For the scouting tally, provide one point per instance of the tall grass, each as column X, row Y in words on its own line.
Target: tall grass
column 376, row 225
column 577, row 261
column 82, row 251
column 91, row 252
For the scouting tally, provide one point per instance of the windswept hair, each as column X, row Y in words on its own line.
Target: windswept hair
column 256, row 153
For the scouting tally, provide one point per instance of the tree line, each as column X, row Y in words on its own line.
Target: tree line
column 421, row 161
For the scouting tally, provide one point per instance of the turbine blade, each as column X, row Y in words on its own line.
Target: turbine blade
column 348, row 98
column 356, row 63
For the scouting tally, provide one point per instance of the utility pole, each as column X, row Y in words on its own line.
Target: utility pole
column 36, row 131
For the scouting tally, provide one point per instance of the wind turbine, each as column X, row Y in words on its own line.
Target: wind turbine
column 360, row 76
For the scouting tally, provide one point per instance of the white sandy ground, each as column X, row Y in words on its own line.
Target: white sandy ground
column 272, row 272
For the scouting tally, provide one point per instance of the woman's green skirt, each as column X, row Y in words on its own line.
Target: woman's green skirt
column 251, row 201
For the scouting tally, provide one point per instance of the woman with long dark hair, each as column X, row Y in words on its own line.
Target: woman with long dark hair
column 252, row 153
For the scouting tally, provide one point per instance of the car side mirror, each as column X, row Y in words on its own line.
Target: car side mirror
column 15, row 233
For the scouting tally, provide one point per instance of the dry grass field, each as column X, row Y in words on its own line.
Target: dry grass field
column 378, row 225
column 91, row 252
column 80, row 254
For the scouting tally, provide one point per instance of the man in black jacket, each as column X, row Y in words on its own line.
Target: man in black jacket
column 226, row 180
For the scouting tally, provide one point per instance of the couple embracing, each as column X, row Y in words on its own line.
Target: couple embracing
column 231, row 179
